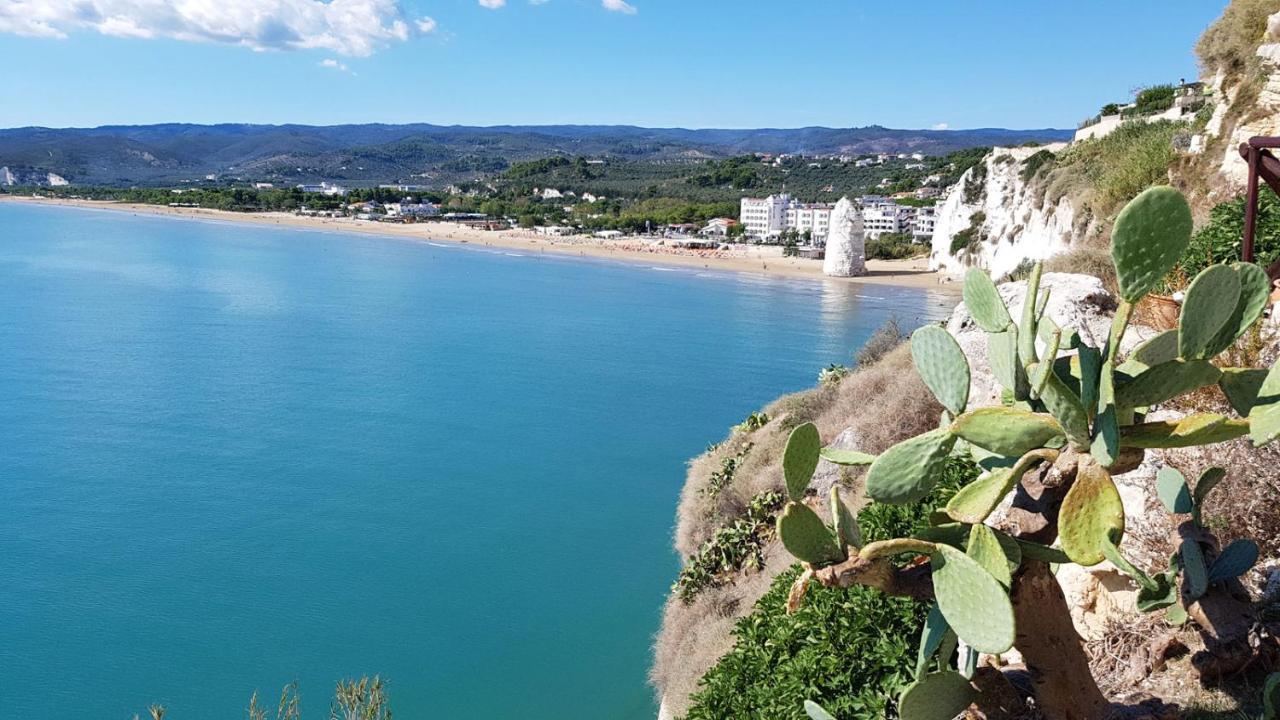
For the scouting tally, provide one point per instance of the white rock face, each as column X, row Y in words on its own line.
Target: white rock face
column 6, row 177
column 846, row 247
column 56, row 180
column 1016, row 226
column 1264, row 116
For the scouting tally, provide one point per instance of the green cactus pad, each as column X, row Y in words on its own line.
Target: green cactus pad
column 984, row 548
column 974, row 502
column 845, row 522
column 897, row 546
column 847, row 457
column 805, row 537
column 1241, row 386
column 1172, row 488
column 1205, row 484
column 1211, row 301
column 800, row 459
column 815, row 711
column 1163, row 595
column 1070, row 338
column 1122, row 563
column 931, row 637
column 1150, row 235
column 907, row 471
column 1091, row 514
column 1008, row 431
column 942, row 365
column 1090, row 363
column 984, row 302
column 1195, row 574
column 1166, row 381
column 1264, row 416
column 1040, row 372
column 1234, row 561
column 1027, row 328
column 1255, row 293
column 1106, row 424
column 1002, row 354
column 1042, row 553
column 975, row 604
column 936, row 696
column 1067, row 409
column 1199, row 429
column 1159, row 349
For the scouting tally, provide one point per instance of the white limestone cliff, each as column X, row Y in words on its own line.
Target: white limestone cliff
column 846, row 246
column 1016, row 223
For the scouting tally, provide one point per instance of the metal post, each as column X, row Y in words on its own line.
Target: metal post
column 1251, row 206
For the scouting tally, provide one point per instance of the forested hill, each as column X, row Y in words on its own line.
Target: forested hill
column 420, row 154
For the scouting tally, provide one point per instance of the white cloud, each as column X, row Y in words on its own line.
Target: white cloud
column 426, row 25
column 621, row 6
column 493, row 4
column 333, row 64
column 346, row 27
column 941, row 126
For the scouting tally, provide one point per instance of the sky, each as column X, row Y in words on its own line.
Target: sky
column 656, row 63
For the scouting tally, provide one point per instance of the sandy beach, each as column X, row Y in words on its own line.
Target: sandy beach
column 904, row 273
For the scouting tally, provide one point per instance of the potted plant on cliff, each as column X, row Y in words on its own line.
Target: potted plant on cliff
column 1068, row 424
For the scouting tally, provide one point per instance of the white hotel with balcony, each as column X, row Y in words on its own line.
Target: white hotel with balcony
column 769, row 217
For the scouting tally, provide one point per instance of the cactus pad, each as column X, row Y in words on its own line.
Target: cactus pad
column 1002, row 354
column 1148, row 239
column 1171, row 486
column 984, row 302
column 897, row 546
column 985, row 549
column 977, row 500
column 1212, row 300
column 845, row 522
column 1066, row 407
column 800, row 459
column 847, row 457
column 1241, row 386
column 1166, row 381
column 942, row 365
column 936, row 696
column 935, row 630
column 1234, row 561
column 1118, row 559
column 1199, row 429
column 1255, row 293
column 1264, row 417
column 805, row 537
column 1271, row 697
column 907, row 471
column 815, row 711
column 1205, row 484
column 975, row 604
column 1195, row 574
column 1008, row 431
column 1091, row 514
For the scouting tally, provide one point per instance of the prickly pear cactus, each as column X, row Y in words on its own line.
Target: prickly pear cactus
column 1071, row 412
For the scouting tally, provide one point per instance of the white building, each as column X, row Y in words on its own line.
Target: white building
column 324, row 188
column 409, row 208
column 887, row 217
column 923, row 226
column 813, row 218
column 718, row 226
column 765, row 217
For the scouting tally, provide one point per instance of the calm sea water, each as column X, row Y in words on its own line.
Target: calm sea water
column 233, row 457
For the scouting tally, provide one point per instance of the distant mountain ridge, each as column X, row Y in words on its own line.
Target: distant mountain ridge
column 423, row 153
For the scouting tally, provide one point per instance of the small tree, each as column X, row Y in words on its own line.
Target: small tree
column 1066, row 426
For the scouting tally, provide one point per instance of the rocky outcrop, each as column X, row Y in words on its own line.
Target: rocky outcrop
column 996, row 219
column 846, row 247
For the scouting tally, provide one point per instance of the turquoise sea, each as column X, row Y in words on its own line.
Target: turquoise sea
column 232, row 457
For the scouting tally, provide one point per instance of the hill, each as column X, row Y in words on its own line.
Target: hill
column 424, row 154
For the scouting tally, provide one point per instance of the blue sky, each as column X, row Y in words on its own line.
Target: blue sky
column 688, row 63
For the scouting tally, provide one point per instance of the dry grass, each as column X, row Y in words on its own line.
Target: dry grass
column 1087, row 260
column 882, row 403
column 1230, row 42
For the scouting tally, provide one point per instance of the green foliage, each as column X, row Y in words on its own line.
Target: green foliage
column 971, row 237
column 723, row 478
column 976, row 186
column 851, row 651
column 754, row 421
column 733, row 547
column 893, row 246
column 1134, row 157
column 1152, row 100
column 1218, row 241
column 1034, row 162
column 886, row 337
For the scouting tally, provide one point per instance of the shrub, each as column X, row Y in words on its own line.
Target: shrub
column 1220, row 240
column 1152, row 100
column 892, row 246
column 735, row 546
column 850, row 650
column 1033, row 163
column 975, row 186
column 971, row 237
column 1118, row 166
column 1088, row 261
column 886, row 337
column 1231, row 42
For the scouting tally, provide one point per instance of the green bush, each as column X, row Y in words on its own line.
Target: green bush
column 1033, row 163
column 1152, row 100
column 970, row 237
column 735, row 546
column 851, row 651
column 1122, row 164
column 892, row 246
column 1220, row 240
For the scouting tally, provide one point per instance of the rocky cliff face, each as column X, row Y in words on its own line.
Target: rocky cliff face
column 997, row 219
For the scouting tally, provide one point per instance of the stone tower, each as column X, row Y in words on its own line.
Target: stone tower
column 846, row 248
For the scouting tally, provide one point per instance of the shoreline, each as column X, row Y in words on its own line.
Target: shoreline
column 901, row 273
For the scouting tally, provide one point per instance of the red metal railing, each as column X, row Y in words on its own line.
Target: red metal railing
column 1265, row 165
